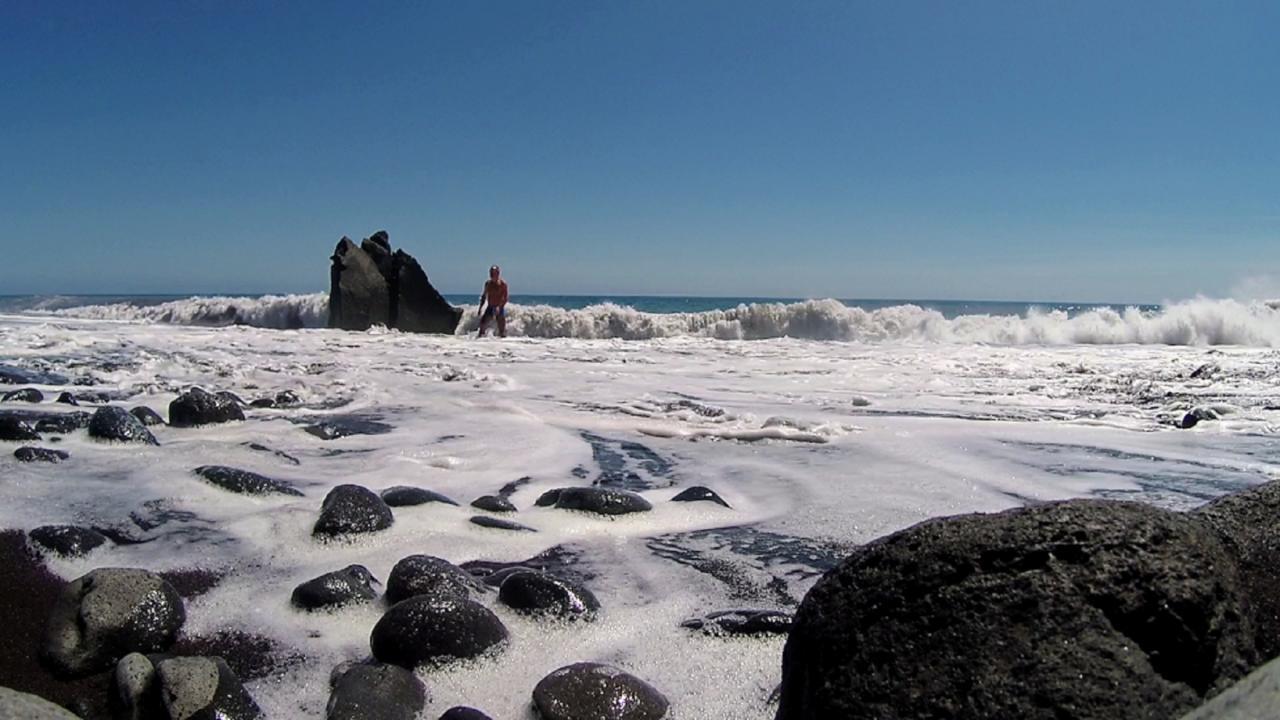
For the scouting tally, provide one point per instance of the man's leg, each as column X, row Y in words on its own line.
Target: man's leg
column 502, row 322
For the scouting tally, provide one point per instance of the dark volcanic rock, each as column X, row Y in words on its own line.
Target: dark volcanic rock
column 352, row 584
column 30, row 395
column 232, row 397
column 1110, row 609
column 376, row 692
column 493, row 503
column 428, row 575
column 499, row 523
column 245, row 482
column 39, row 454
column 13, row 428
column 602, row 501
column 350, row 509
column 403, row 496
column 431, row 629
column 67, row 540
column 697, row 493
column 548, row 498
column 419, row 307
column 10, row 375
column 543, row 594
column 461, row 712
column 197, row 407
column 358, row 294
column 369, row 285
column 67, row 398
column 147, row 416
column 107, row 614
column 185, row 687
column 742, row 622
column 116, row 424
column 339, row 426
column 599, row 692
column 63, row 423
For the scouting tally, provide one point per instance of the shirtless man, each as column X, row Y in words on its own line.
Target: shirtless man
column 495, row 291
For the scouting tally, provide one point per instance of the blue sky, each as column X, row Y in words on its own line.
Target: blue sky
column 1023, row 150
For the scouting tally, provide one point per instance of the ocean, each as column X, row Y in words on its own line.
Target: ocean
column 823, row 424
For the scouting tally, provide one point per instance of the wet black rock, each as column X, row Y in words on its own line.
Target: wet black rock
column 432, row 629
column 352, row 584
column 278, row 453
column 182, row 687
column 376, row 692
column 599, row 692
column 698, row 493
column 107, row 614
column 67, row 540
column 30, row 395
column 232, row 397
column 63, row 423
column 461, row 712
column 404, row 496
column 602, row 501
column 742, row 622
column 499, row 524
column 352, row 509
column 11, row 375
column 245, row 482
column 39, row 454
column 510, row 488
column 147, row 416
column 538, row 593
column 197, row 407
column 114, row 423
column 67, row 398
column 13, row 428
column 369, row 285
column 340, row 426
column 281, row 400
column 493, row 503
column 358, row 294
column 428, row 575
column 548, row 498
column 1111, row 609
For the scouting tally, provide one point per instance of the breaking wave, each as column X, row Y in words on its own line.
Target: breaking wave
column 1192, row 322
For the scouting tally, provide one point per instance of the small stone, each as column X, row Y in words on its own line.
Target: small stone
column 426, row 574
column 67, row 540
column 147, row 416
column 433, row 629
column 67, row 398
column 30, row 395
column 352, row 584
column 602, row 501
column 376, row 692
column 591, row 691
column 198, row 407
column 493, row 503
column 245, row 482
column 499, row 524
column 402, row 496
column 699, row 493
column 542, row 594
column 352, row 509
column 39, row 454
column 742, row 622
column 117, row 425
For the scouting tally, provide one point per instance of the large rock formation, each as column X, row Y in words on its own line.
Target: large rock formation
column 370, row 285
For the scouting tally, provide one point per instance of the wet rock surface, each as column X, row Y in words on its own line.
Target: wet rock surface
column 117, row 425
column 428, row 575
column 197, row 407
column 352, row 584
column 62, row 423
column 332, row 427
column 698, row 493
column 16, row 705
column 147, row 416
column 499, row 523
column 434, row 629
column 1111, row 609
column 742, row 622
column 177, row 688
column 351, row 510
column 404, row 496
column 599, row 692
column 30, row 395
column 376, row 692
column 244, row 482
column 369, row 285
column 39, row 454
column 538, row 593
column 601, row 501
column 13, row 428
column 67, row 540
column 493, row 503
column 464, row 713
column 108, row 613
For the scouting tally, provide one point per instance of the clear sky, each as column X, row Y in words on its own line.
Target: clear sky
column 1109, row 151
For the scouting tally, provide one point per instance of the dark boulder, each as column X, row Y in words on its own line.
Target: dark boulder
column 63, row 423
column 403, row 496
column 67, row 540
column 14, row 428
column 15, row 705
column 548, row 498
column 232, row 398
column 598, row 692
column 499, row 524
column 351, row 509
column 432, row 629
column 197, row 407
column 538, row 593
column 352, row 584
column 461, row 712
column 114, row 423
column 742, row 622
column 107, row 614
column 697, row 493
column 193, row 687
column 493, row 503
column 245, row 482
column 147, row 416
column 376, row 692
column 428, row 575
column 10, row 375
column 39, row 454
column 1110, row 609
column 602, row 501
column 30, row 395
column 67, row 398
column 370, row 285
column 358, row 294
column 419, row 307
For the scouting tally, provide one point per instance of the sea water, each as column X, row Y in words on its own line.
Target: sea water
column 823, row 424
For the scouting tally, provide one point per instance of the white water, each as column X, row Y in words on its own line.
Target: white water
column 1192, row 322
column 832, row 443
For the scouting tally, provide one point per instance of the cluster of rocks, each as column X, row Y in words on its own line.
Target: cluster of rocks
column 371, row 285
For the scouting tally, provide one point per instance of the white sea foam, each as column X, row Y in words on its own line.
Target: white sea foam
column 1197, row 322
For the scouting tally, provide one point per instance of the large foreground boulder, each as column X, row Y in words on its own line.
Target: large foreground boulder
column 15, row 705
column 369, row 285
column 1094, row 609
column 182, row 687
